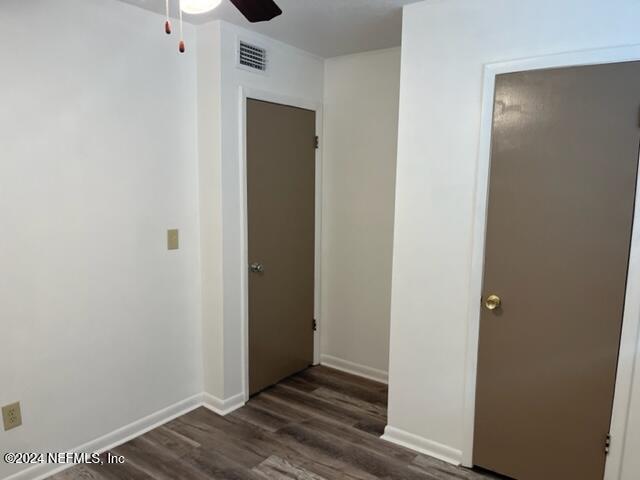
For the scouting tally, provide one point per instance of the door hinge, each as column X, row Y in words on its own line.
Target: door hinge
column 607, row 444
column 315, row 325
column 317, row 142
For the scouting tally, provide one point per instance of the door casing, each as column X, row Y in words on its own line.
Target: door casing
column 250, row 93
column 631, row 317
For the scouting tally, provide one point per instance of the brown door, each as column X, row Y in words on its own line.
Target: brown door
column 563, row 175
column 281, row 231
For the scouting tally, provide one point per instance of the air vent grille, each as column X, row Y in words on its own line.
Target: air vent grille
column 252, row 57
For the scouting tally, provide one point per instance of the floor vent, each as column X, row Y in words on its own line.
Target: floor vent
column 252, row 57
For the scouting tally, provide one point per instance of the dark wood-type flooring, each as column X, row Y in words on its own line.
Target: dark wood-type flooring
column 319, row 424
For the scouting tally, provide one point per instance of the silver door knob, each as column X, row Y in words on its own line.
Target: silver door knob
column 256, row 268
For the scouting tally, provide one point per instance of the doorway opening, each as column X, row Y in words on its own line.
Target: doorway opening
column 282, row 250
column 563, row 349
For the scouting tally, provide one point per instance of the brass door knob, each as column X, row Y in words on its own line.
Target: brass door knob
column 493, row 302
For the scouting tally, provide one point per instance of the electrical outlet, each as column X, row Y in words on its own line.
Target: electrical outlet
column 11, row 416
column 173, row 239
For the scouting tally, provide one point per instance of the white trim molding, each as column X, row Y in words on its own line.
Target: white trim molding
column 631, row 318
column 422, row 445
column 336, row 363
column 223, row 407
column 115, row 438
column 267, row 96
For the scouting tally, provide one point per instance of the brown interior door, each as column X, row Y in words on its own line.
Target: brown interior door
column 281, row 232
column 562, row 187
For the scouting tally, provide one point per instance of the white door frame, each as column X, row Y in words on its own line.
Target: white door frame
column 267, row 96
column 631, row 316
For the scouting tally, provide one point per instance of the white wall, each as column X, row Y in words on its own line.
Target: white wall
column 359, row 163
column 445, row 45
column 292, row 73
column 209, row 153
column 98, row 131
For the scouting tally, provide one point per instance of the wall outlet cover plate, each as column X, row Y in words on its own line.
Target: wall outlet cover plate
column 11, row 416
column 173, row 239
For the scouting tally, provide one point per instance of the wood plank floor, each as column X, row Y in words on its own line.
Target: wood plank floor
column 319, row 424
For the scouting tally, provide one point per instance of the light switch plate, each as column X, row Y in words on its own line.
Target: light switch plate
column 173, row 239
column 11, row 416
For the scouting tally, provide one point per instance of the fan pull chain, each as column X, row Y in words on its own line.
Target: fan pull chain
column 167, row 23
column 181, row 47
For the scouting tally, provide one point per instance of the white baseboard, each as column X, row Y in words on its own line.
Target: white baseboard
column 223, row 407
column 422, row 445
column 115, row 438
column 135, row 429
column 381, row 376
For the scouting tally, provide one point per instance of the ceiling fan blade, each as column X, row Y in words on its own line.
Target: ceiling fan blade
column 258, row 10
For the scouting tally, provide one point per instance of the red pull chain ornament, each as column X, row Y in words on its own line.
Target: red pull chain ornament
column 181, row 47
column 167, row 23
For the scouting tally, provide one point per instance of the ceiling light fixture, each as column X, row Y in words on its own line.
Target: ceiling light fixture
column 196, row 7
